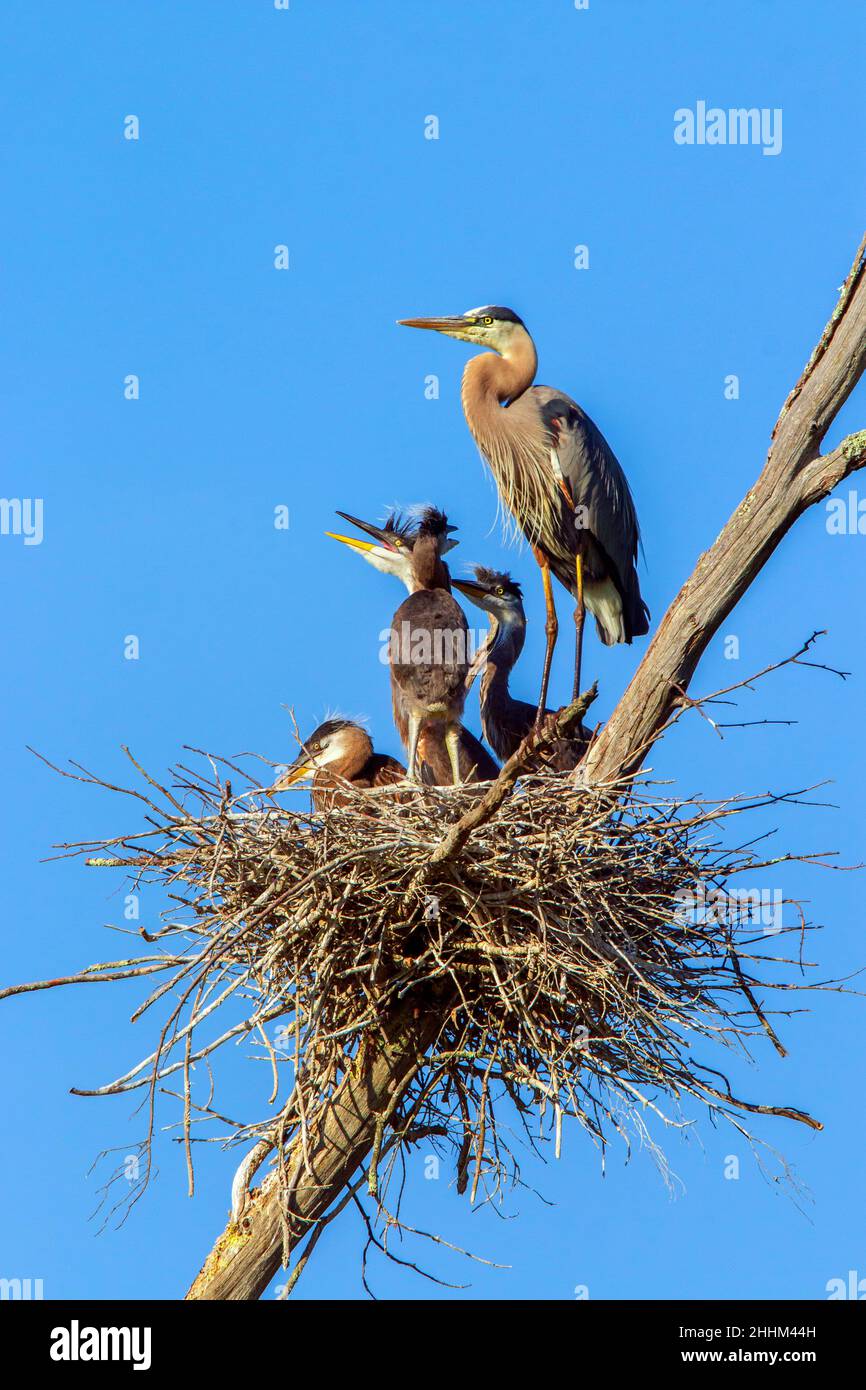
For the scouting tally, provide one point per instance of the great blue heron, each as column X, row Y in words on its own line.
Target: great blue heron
column 391, row 552
column 428, row 648
column 339, row 751
column 557, row 476
column 505, row 721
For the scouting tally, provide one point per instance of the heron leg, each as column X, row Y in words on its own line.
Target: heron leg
column 551, row 628
column 452, row 743
column 412, row 747
column 579, row 616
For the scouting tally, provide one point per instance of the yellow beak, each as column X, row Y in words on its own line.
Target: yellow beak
column 295, row 773
column 353, row 542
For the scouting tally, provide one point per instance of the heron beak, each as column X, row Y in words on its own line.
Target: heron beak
column 353, row 541
column 384, row 538
column 378, row 555
column 300, row 768
column 476, row 593
column 454, row 326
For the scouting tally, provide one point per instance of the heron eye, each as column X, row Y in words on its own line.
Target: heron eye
column 500, row 591
column 488, row 321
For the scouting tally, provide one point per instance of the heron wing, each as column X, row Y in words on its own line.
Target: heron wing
column 384, row 771
column 429, row 653
column 598, row 485
column 475, row 758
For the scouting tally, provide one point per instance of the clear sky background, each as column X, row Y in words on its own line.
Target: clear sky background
column 261, row 388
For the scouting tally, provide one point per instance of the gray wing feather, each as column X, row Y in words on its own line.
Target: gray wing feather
column 597, row 483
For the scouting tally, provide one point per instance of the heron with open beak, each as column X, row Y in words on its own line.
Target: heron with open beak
column 390, row 550
column 557, row 476
column 429, row 650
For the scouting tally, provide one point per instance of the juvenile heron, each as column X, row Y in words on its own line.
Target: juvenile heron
column 429, row 649
column 505, row 721
column 557, row 476
column 391, row 552
column 339, row 751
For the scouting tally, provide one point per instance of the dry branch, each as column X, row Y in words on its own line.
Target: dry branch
column 279, row 1216
column 795, row 476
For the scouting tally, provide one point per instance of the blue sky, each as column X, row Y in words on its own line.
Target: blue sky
column 261, row 388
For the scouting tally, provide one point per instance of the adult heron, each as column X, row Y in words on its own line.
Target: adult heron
column 557, row 476
column 505, row 720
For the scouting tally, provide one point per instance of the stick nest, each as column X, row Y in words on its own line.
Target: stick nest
column 571, row 948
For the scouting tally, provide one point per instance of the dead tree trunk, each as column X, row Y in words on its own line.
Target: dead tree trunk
column 246, row 1257
column 796, row 475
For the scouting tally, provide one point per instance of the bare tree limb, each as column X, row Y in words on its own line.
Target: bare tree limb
column 795, row 476
column 248, row 1254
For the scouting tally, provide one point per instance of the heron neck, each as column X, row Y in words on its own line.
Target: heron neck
column 503, row 647
column 491, row 381
column 429, row 570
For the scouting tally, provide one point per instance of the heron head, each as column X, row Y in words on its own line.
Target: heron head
column 390, row 551
column 490, row 326
column 336, row 744
column 497, row 593
column 433, row 522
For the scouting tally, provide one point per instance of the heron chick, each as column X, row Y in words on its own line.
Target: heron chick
column 390, row 552
column 429, row 649
column 337, row 752
column 505, row 721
